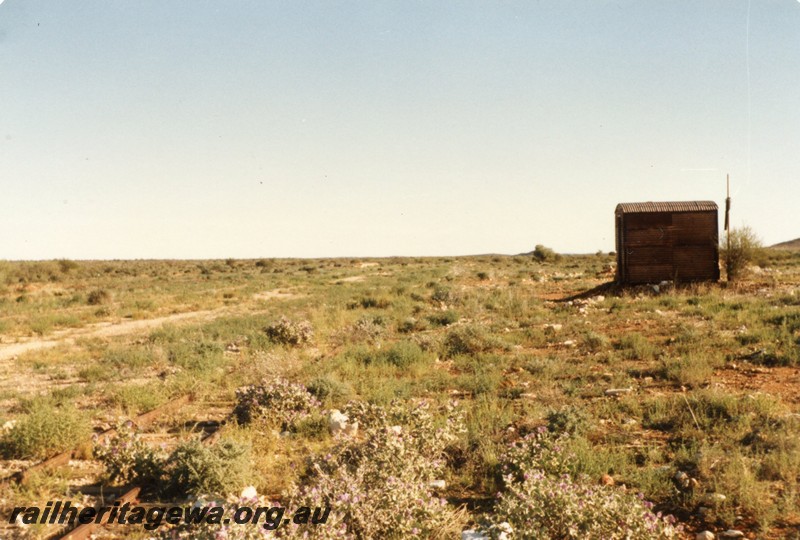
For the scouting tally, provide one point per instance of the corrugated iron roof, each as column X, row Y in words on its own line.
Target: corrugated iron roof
column 680, row 206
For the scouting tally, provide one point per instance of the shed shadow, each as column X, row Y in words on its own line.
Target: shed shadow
column 607, row 288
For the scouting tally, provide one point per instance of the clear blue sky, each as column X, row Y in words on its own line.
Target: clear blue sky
column 192, row 129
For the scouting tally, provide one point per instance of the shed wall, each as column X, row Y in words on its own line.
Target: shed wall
column 659, row 246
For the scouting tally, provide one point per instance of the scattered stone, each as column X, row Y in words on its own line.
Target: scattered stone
column 249, row 493
column 705, row 535
column 618, row 391
column 473, row 535
column 732, row 533
column 712, row 499
column 570, row 343
column 339, row 422
column 438, row 484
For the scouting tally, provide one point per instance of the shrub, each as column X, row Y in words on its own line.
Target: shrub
column 391, row 465
column 568, row 419
column 745, row 247
column 636, row 347
column 545, row 254
column 444, row 295
column 468, row 340
column 43, row 432
column 444, row 318
column 194, row 468
column 410, row 325
column 191, row 468
column 288, row 332
column 595, row 342
column 543, row 501
column 371, row 302
column 66, row 265
column 327, row 387
column 367, row 329
column 127, row 458
column 542, row 507
column 278, row 401
column 403, row 354
column 98, row 296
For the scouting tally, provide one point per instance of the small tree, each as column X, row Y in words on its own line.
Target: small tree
column 742, row 246
column 542, row 254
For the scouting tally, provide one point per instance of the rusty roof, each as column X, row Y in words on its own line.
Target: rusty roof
column 680, row 206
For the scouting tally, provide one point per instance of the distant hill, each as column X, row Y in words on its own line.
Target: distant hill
column 791, row 244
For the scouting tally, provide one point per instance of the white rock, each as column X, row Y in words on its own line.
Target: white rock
column 473, row 535
column 732, row 533
column 705, row 535
column 618, row 391
column 249, row 492
column 714, row 498
column 570, row 343
column 337, row 421
column 438, row 484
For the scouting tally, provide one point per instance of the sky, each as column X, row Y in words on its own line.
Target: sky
column 248, row 129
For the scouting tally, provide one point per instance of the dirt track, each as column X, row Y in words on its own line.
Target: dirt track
column 104, row 329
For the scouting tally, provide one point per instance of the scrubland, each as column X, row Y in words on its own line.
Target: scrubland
column 491, row 392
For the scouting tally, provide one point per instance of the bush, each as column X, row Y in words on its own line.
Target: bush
column 127, row 458
column 543, row 501
column 45, row 431
column 327, row 387
column 367, row 329
column 469, row 340
column 545, row 254
column 278, row 401
column 191, row 469
column 444, row 318
column 288, row 332
column 745, row 247
column 391, row 464
column 403, row 354
column 98, row 296
column 194, row 469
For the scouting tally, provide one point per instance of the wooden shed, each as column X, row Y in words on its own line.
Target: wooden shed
column 667, row 241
